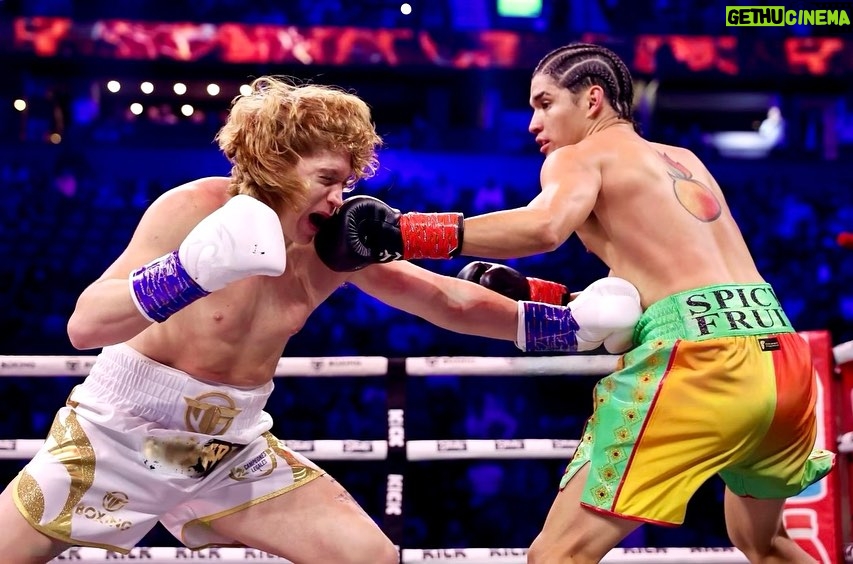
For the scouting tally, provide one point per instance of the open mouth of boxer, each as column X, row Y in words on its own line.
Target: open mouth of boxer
column 317, row 219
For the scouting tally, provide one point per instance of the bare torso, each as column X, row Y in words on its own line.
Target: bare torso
column 236, row 335
column 660, row 220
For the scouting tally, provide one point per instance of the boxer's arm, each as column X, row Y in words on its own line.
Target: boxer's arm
column 570, row 187
column 105, row 312
column 450, row 303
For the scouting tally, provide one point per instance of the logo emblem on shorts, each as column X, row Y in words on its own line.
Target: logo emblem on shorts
column 258, row 467
column 210, row 414
column 113, row 501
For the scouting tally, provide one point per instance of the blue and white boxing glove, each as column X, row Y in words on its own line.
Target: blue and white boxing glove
column 605, row 313
column 242, row 238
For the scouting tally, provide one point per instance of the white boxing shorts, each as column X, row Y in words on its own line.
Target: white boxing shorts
column 139, row 442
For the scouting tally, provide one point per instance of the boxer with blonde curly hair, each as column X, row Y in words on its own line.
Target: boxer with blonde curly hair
column 193, row 317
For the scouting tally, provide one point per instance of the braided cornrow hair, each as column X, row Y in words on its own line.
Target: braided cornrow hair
column 581, row 65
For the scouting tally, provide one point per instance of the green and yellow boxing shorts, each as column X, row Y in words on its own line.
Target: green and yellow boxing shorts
column 719, row 383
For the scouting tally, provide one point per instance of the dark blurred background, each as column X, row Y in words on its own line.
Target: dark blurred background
column 104, row 105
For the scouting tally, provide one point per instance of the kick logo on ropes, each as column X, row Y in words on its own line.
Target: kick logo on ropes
column 394, row 495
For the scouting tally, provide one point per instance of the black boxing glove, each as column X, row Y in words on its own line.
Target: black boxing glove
column 366, row 230
column 513, row 284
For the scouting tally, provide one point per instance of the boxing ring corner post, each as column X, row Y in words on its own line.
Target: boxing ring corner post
column 843, row 359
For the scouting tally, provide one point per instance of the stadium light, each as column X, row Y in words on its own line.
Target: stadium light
column 519, row 8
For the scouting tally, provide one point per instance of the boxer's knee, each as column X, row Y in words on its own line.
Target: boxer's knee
column 367, row 546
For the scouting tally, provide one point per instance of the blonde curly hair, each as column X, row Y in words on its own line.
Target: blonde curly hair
column 269, row 130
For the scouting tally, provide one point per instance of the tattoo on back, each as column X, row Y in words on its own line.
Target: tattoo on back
column 693, row 195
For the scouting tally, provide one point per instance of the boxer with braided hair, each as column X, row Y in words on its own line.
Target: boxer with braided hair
column 581, row 65
column 717, row 382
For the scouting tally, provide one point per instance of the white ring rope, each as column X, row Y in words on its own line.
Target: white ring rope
column 843, row 353
column 845, row 442
column 351, row 449
column 170, row 555
column 417, row 450
column 490, row 448
column 582, row 365
column 347, row 449
column 80, row 365
column 615, row 556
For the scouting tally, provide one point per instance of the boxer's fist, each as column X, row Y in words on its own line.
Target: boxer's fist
column 242, row 238
column 511, row 283
column 363, row 231
column 498, row 278
column 605, row 313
